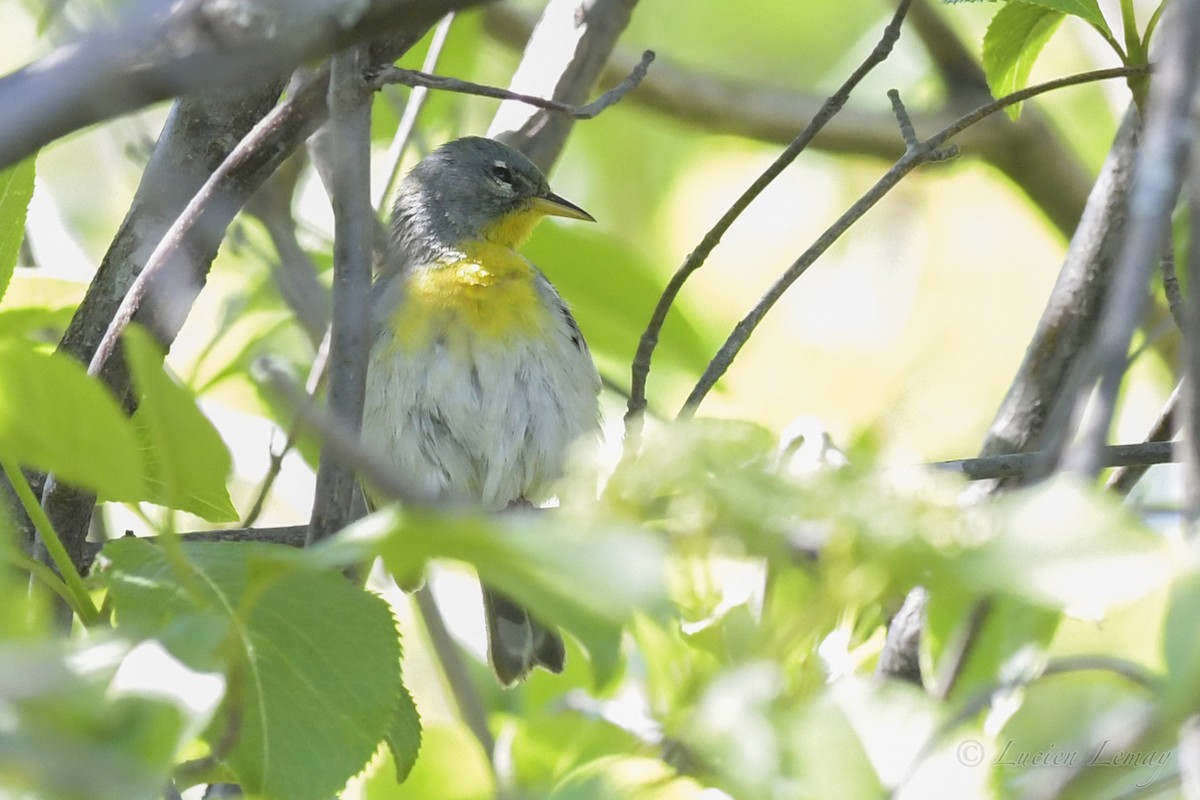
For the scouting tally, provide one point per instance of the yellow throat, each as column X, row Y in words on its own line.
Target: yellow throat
column 488, row 295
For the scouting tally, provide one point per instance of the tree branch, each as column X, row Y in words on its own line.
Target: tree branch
column 412, row 77
column 1157, row 179
column 1031, row 152
column 164, row 49
column 636, row 406
column 354, row 224
column 928, row 151
column 1018, row 465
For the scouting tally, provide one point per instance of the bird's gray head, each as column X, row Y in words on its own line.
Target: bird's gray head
column 467, row 190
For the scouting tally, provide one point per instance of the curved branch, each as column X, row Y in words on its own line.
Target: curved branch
column 927, row 151
column 649, row 340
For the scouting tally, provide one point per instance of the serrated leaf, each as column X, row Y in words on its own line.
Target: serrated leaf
column 187, row 463
column 404, row 734
column 16, row 187
column 55, row 418
column 452, row 766
column 313, row 660
column 1014, row 39
column 587, row 582
column 1088, row 10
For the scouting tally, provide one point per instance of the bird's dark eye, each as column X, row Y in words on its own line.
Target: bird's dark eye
column 502, row 175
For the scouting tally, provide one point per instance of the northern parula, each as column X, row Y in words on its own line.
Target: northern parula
column 479, row 379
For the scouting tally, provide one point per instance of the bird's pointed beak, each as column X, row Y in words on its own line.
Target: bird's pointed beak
column 552, row 205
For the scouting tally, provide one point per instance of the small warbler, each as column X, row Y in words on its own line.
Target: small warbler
column 479, row 378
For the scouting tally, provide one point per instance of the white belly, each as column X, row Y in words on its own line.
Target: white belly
column 481, row 423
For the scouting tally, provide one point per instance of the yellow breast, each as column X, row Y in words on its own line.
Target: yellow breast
column 488, row 295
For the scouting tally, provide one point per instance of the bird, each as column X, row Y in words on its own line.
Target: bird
column 479, row 380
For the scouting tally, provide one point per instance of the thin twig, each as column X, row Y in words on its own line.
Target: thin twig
column 354, row 218
column 412, row 110
column 929, row 150
column 339, row 439
column 1170, row 281
column 316, row 377
column 252, row 144
column 412, row 77
column 1017, row 465
column 640, row 370
column 1123, row 479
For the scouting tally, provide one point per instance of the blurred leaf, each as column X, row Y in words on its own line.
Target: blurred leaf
column 1181, row 645
column 452, row 766
column 1009, row 644
column 102, row 719
column 612, row 294
column 623, row 777
column 1066, row 546
column 1059, row 717
column 16, row 187
column 589, row 582
column 547, row 746
column 53, row 417
column 187, row 463
column 313, row 661
column 1013, row 41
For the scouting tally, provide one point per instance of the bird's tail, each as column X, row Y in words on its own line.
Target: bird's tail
column 516, row 642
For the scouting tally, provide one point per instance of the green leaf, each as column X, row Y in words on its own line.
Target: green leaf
column 1088, row 10
column 55, row 418
column 16, row 187
column 1013, row 41
column 452, row 766
column 186, row 461
column 1181, row 645
column 404, row 734
column 313, row 661
column 589, row 582
column 620, row 777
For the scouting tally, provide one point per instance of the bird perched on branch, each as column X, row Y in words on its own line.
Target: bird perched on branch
column 479, row 378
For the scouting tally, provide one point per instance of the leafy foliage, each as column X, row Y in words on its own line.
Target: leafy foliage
column 724, row 602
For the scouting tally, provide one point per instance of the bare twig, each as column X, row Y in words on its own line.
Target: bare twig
column 1123, row 479
column 412, row 110
column 562, row 59
column 927, row 151
column 1191, row 347
column 354, row 219
column 649, row 340
column 1018, row 465
column 1158, row 176
column 342, row 442
column 410, row 77
column 1031, row 152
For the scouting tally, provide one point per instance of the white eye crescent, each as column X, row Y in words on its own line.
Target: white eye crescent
column 502, row 174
